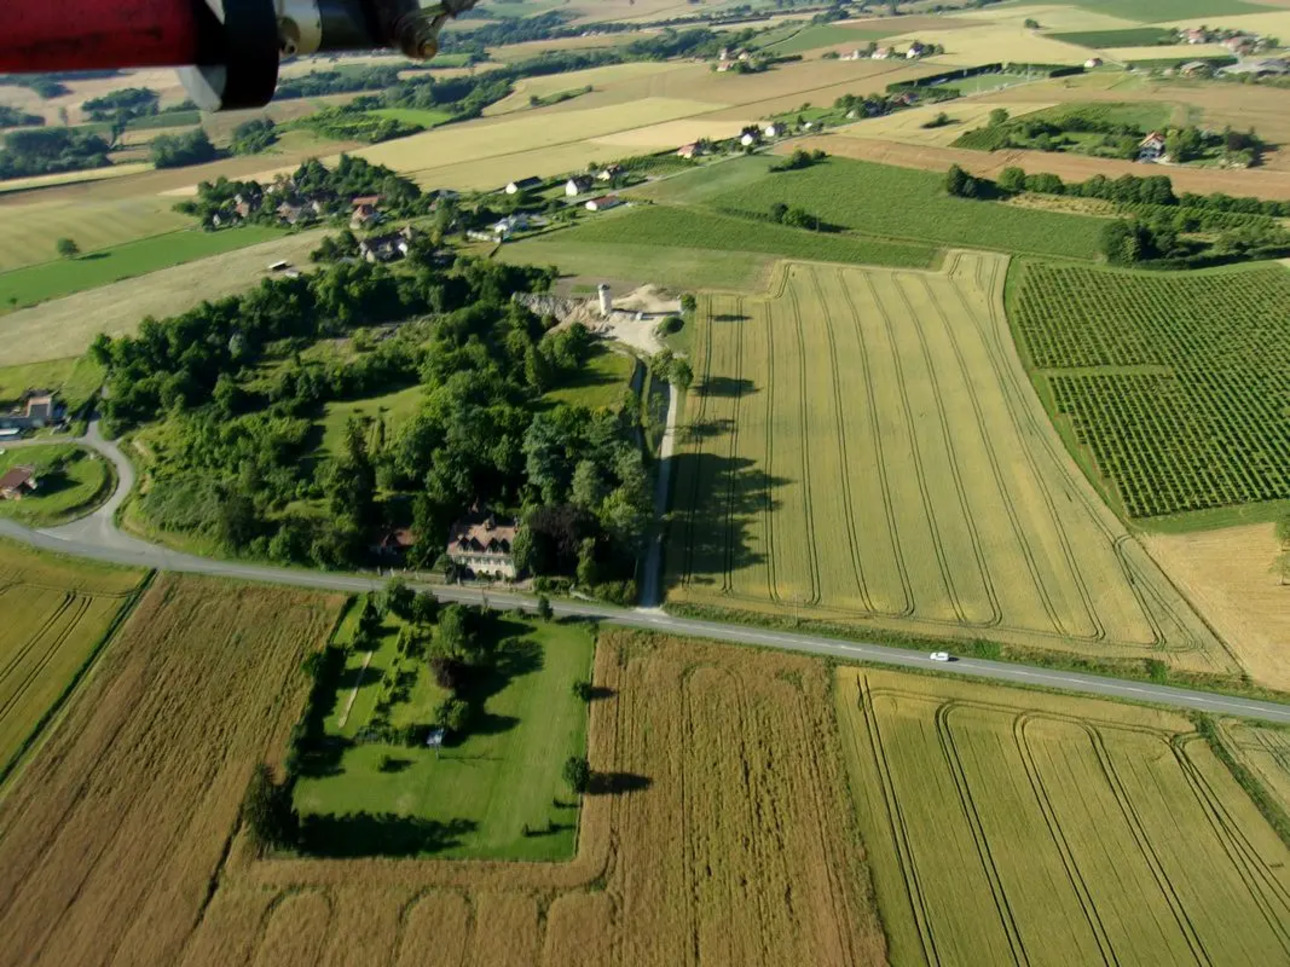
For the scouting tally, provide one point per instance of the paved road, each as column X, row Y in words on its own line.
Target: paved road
column 95, row 537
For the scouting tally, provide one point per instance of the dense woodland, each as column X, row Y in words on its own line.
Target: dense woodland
column 239, row 397
column 44, row 151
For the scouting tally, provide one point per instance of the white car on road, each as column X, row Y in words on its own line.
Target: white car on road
column 939, row 656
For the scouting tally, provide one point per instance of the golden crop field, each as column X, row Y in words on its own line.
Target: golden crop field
column 65, row 327
column 116, row 829
column 1225, row 574
column 1265, row 751
column 728, row 840
column 863, row 447
column 1011, row 827
column 57, row 612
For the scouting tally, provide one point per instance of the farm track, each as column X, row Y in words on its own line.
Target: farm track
column 77, row 605
column 805, row 443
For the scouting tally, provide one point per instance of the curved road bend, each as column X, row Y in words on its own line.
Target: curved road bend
column 96, row 537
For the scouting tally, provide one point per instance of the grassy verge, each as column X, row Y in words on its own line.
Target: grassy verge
column 72, row 481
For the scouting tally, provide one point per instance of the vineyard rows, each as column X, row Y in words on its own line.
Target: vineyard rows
column 1007, row 827
column 862, row 446
column 1178, row 384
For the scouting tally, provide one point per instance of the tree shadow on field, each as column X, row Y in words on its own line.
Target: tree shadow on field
column 617, row 783
column 725, row 386
column 719, row 500
column 729, row 317
column 379, row 834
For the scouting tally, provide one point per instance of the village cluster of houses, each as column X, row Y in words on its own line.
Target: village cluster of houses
column 1239, row 42
column 915, row 50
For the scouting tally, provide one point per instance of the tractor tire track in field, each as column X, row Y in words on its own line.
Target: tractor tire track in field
column 804, row 436
column 900, row 833
column 1007, row 918
column 848, row 506
column 992, row 457
column 920, row 474
column 1076, row 878
column 956, row 471
column 50, row 621
column 768, row 511
column 1003, row 373
column 880, row 462
column 80, row 606
column 1265, row 889
column 1139, row 832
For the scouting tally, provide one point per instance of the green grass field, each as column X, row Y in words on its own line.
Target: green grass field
column 861, row 448
column 408, row 115
column 600, row 384
column 51, row 280
column 1005, row 826
column 75, row 380
column 678, row 268
column 1169, row 387
column 907, row 204
column 72, row 480
column 504, row 775
column 663, row 226
column 56, row 611
column 1131, row 37
column 826, row 35
column 392, row 409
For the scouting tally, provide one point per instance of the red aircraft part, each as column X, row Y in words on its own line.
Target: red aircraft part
column 57, row 35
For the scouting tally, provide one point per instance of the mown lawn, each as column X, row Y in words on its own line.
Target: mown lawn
column 599, row 384
column 71, row 481
column 505, row 774
column 903, row 203
column 50, row 280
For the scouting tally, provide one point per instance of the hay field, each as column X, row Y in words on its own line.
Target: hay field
column 116, row 828
column 1182, row 52
column 907, row 126
column 1225, row 574
column 863, row 448
column 66, row 327
column 725, row 835
column 984, row 44
column 73, row 177
column 1011, row 827
column 57, row 611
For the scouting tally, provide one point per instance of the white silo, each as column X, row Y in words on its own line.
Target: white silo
column 606, row 300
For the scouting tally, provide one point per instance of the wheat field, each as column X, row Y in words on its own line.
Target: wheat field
column 863, row 447
column 1011, row 827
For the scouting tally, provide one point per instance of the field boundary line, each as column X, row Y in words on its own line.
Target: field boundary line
column 893, row 529
column 945, row 738
column 929, row 513
column 848, row 508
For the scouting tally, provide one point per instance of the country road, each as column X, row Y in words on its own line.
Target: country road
column 97, row 537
